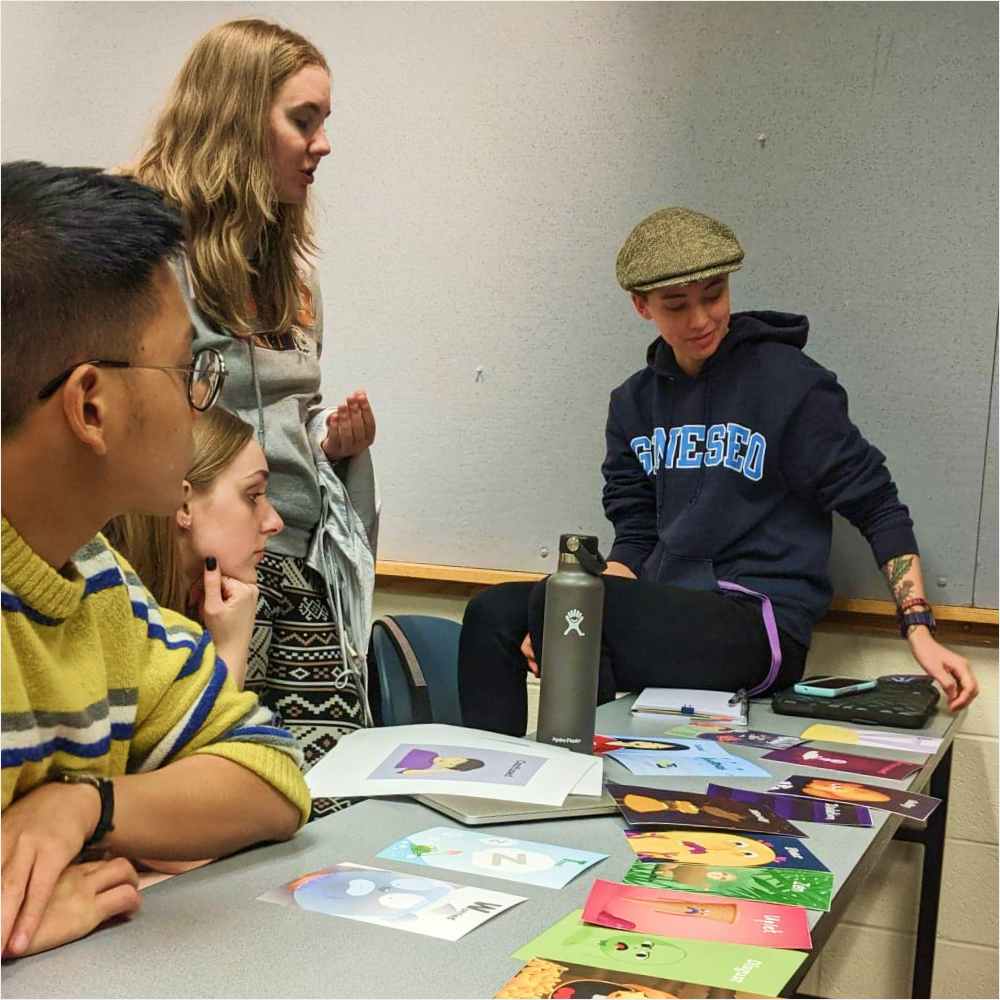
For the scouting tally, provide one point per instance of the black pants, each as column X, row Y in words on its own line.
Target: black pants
column 655, row 635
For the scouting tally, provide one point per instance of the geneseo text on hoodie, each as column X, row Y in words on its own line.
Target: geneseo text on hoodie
column 733, row 474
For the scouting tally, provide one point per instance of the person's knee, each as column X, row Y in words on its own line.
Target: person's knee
column 496, row 609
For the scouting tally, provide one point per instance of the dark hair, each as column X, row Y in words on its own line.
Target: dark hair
column 470, row 764
column 80, row 250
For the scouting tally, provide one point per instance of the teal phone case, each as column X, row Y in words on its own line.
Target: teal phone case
column 803, row 687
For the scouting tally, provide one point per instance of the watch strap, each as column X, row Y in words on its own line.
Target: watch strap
column 907, row 621
column 106, row 789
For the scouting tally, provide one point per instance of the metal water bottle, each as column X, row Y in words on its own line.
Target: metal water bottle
column 571, row 645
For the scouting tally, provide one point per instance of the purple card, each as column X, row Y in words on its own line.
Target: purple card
column 834, row 760
column 642, row 806
column 874, row 796
column 469, row 764
column 794, row 807
column 752, row 738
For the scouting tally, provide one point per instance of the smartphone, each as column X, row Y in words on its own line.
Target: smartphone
column 833, row 687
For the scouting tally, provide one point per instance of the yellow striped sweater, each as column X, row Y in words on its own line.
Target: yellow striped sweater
column 98, row 677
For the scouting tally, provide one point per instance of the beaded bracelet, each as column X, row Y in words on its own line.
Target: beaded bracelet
column 912, row 602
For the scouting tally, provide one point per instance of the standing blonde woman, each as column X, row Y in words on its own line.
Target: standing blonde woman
column 237, row 148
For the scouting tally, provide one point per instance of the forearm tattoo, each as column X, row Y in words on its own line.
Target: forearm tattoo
column 895, row 572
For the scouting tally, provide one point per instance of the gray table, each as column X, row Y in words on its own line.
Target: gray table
column 204, row 934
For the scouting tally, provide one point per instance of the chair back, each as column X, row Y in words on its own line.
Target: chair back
column 416, row 657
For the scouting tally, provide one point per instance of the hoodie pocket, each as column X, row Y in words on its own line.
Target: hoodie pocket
column 688, row 572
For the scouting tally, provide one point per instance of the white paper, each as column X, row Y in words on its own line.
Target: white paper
column 673, row 701
column 592, row 783
column 453, row 760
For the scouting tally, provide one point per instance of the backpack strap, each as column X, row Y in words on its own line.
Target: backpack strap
column 770, row 627
column 419, row 696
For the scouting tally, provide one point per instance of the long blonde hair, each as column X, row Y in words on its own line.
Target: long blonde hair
column 210, row 154
column 151, row 543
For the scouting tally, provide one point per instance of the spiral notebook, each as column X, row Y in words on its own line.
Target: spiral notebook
column 694, row 704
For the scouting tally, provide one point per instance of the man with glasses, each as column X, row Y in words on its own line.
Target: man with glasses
column 122, row 733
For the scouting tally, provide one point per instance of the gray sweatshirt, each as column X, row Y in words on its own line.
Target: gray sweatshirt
column 330, row 511
column 288, row 409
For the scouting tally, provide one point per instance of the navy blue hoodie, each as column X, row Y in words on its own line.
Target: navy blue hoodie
column 733, row 474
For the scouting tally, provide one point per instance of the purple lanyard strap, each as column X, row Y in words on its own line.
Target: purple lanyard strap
column 770, row 626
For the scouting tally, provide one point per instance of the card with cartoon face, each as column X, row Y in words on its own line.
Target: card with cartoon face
column 458, row 763
column 605, row 744
column 908, row 742
column 394, row 899
column 730, row 850
column 711, row 963
column 752, row 738
column 643, row 806
column 794, row 886
column 836, row 760
column 544, row 979
column 716, row 763
column 794, row 807
column 688, row 915
column 873, row 796
column 480, row 853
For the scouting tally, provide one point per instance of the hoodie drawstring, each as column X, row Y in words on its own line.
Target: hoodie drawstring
column 260, row 403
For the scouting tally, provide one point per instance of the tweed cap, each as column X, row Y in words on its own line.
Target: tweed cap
column 674, row 246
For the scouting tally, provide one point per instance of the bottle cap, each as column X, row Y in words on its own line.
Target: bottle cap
column 585, row 549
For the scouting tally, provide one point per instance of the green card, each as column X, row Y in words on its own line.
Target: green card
column 712, row 963
column 766, row 885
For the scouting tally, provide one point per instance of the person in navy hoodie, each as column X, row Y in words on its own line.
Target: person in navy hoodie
column 726, row 455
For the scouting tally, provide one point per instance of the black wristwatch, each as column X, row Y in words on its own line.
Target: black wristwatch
column 106, row 789
column 907, row 621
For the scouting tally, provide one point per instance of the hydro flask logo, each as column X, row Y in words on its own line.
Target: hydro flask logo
column 574, row 619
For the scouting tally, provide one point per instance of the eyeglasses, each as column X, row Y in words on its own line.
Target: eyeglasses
column 205, row 376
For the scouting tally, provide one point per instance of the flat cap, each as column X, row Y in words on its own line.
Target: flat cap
column 674, row 246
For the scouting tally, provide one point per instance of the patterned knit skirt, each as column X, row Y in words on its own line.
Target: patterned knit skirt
column 296, row 666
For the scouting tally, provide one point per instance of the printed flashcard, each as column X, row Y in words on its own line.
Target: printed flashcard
column 710, row 963
column 701, row 727
column 648, row 910
column 435, row 759
column 604, row 744
column 732, row 850
column 753, row 738
column 481, row 853
column 892, row 800
column 458, row 763
column 794, row 886
column 834, row 760
column 906, row 742
column 643, row 806
column 393, row 899
column 688, row 764
column 677, row 749
column 792, row 807
column 543, row 979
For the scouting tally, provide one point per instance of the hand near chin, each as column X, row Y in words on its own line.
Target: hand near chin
column 350, row 428
column 228, row 609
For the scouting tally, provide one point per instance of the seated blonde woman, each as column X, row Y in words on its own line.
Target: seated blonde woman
column 202, row 560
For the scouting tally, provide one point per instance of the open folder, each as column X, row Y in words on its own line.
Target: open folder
column 453, row 760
